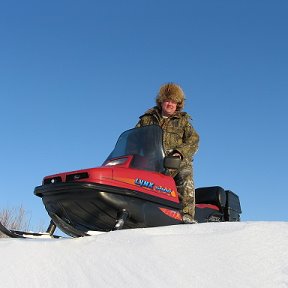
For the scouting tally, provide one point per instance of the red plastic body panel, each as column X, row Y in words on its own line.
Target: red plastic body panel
column 142, row 181
column 151, row 183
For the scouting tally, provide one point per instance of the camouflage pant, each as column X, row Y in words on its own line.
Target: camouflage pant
column 185, row 186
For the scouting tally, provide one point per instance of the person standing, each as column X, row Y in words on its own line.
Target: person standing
column 179, row 139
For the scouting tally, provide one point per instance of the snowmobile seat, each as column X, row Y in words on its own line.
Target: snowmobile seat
column 214, row 195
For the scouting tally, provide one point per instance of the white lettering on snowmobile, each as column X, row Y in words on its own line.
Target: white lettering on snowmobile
column 160, row 188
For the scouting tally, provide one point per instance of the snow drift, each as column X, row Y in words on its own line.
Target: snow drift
column 237, row 254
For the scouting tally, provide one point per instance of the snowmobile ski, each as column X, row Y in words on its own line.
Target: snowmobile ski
column 10, row 233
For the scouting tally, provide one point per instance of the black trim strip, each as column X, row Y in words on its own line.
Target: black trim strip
column 59, row 188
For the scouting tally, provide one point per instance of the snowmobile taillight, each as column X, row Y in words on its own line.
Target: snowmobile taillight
column 171, row 213
column 114, row 162
column 52, row 180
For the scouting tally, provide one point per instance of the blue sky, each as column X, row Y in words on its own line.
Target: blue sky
column 75, row 74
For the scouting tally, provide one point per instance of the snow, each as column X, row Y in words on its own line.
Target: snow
column 239, row 254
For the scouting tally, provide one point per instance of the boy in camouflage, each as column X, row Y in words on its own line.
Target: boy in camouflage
column 179, row 139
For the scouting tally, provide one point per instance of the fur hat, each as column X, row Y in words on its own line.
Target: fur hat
column 171, row 91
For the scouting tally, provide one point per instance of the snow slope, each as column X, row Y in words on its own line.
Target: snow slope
column 245, row 254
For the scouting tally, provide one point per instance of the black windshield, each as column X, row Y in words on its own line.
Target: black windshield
column 145, row 143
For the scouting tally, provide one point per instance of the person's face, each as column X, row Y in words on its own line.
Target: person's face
column 168, row 107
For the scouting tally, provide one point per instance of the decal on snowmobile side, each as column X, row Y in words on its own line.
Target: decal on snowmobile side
column 144, row 183
column 151, row 185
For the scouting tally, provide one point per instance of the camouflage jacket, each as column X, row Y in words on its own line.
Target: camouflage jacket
column 179, row 135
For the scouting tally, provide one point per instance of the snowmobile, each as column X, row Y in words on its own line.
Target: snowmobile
column 133, row 188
